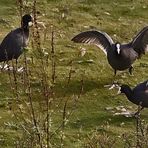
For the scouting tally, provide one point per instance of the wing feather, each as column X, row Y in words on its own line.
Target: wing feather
column 98, row 38
column 140, row 42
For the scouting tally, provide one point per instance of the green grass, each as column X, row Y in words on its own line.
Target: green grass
column 121, row 20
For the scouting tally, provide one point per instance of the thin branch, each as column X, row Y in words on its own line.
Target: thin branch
column 53, row 57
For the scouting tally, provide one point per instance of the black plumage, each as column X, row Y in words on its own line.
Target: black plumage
column 137, row 95
column 13, row 44
column 120, row 56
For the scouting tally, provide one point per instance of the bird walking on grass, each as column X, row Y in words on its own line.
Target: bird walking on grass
column 137, row 95
column 14, row 42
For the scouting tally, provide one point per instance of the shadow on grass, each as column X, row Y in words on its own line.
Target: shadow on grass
column 75, row 86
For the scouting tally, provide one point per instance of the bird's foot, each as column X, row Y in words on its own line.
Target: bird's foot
column 1, row 67
column 7, row 67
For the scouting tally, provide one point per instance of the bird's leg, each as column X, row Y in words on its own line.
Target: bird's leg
column 114, row 83
column 130, row 70
column 8, row 66
column 138, row 112
column 16, row 63
column 115, row 72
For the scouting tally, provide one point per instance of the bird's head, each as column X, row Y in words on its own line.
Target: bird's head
column 123, row 88
column 117, row 46
column 26, row 21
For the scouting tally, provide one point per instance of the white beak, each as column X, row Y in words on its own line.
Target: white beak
column 30, row 24
column 118, row 50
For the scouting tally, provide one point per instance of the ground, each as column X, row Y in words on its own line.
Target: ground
column 121, row 20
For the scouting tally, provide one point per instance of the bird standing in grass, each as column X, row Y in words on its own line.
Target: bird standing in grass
column 137, row 95
column 13, row 44
column 120, row 56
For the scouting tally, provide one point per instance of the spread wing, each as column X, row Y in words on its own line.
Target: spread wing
column 98, row 38
column 140, row 42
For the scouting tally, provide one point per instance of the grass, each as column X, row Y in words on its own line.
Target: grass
column 121, row 20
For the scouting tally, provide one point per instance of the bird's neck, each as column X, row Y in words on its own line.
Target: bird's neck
column 25, row 28
column 25, row 31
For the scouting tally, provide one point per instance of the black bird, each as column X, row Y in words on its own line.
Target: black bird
column 120, row 56
column 13, row 44
column 137, row 95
